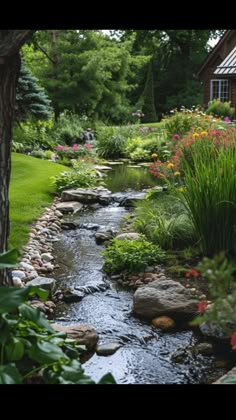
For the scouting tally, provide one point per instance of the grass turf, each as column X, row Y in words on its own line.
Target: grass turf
column 30, row 193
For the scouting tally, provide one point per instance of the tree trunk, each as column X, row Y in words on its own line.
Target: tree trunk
column 9, row 71
column 55, row 62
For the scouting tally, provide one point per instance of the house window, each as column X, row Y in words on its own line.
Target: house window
column 220, row 89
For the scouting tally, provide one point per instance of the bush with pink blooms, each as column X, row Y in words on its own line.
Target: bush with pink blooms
column 73, row 152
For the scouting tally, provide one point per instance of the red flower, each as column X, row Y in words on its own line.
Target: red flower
column 202, row 306
column 233, row 341
column 192, row 272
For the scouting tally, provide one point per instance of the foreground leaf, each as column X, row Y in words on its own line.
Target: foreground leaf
column 107, row 379
column 9, row 374
column 8, row 259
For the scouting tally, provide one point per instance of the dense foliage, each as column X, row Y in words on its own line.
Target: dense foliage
column 131, row 256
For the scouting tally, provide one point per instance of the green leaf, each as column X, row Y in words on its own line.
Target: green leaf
column 14, row 349
column 107, row 379
column 9, row 374
column 8, row 259
column 35, row 315
column 12, row 298
column 34, row 290
column 45, row 352
column 74, row 374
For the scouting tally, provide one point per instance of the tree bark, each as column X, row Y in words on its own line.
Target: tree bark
column 8, row 78
column 55, row 63
column 10, row 43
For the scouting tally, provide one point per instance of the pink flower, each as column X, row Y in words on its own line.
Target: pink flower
column 233, row 341
column 60, row 148
column 227, row 119
column 176, row 137
column 202, row 306
column 75, row 146
column 89, row 146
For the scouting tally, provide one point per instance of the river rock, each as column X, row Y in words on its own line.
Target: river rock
column 166, row 297
column 17, row 282
column 46, row 283
column 69, row 225
column 212, row 329
column 163, row 322
column 103, row 235
column 102, row 168
column 107, row 349
column 69, row 206
column 84, row 334
column 203, row 348
column 131, row 200
column 27, row 267
column 19, row 274
column 87, row 195
column 71, row 296
column 133, row 236
column 47, row 257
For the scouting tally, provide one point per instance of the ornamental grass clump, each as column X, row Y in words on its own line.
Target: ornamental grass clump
column 209, row 194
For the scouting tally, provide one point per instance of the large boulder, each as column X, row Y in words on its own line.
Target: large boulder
column 46, row 283
column 166, row 297
column 69, row 206
column 88, row 195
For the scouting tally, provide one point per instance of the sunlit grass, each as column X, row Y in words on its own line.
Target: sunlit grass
column 30, row 193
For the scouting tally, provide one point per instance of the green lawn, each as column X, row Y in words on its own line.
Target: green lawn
column 30, row 192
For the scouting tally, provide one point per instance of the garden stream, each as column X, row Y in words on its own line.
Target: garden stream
column 146, row 353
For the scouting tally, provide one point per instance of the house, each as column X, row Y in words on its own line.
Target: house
column 218, row 72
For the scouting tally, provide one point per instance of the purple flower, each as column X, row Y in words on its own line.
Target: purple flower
column 227, row 119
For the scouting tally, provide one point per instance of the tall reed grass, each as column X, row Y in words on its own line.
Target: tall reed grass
column 210, row 195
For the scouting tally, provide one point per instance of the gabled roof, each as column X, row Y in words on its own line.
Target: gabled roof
column 214, row 50
column 228, row 66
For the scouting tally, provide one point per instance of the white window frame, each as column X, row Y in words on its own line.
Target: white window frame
column 220, row 87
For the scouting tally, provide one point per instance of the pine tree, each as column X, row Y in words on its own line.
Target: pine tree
column 31, row 98
column 148, row 98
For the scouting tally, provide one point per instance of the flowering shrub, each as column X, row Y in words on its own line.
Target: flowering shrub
column 184, row 120
column 73, row 152
column 220, row 109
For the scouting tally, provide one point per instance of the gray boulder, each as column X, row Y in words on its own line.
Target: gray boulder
column 69, row 206
column 166, row 297
column 133, row 236
column 45, row 283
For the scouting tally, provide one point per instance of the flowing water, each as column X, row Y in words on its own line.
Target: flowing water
column 146, row 353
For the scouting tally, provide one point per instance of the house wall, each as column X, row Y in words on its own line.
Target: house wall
column 207, row 74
